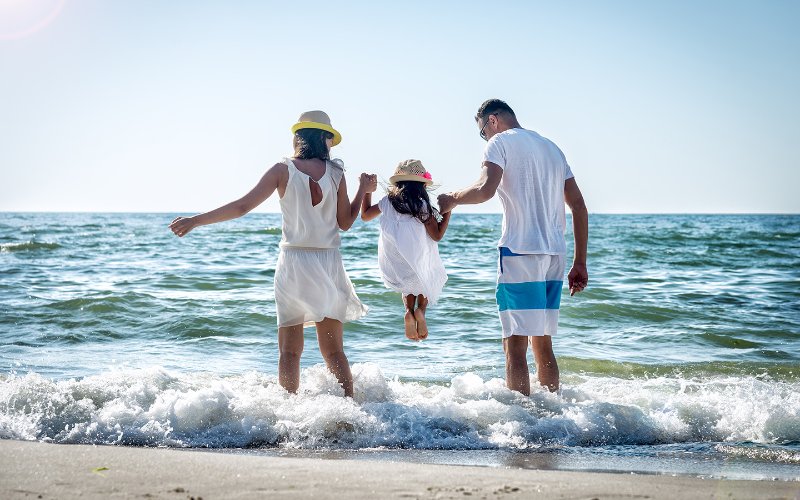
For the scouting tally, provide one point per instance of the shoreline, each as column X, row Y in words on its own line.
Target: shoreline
column 43, row 470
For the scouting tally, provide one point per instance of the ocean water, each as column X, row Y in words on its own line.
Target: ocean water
column 682, row 355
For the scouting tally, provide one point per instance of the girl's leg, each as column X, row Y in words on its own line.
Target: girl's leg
column 419, row 315
column 330, row 334
column 409, row 319
column 290, row 344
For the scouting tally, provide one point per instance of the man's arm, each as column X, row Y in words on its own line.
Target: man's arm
column 483, row 190
column 578, row 276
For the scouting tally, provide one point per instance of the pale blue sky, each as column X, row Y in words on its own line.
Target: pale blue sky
column 180, row 106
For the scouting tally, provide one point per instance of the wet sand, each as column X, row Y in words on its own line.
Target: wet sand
column 42, row 470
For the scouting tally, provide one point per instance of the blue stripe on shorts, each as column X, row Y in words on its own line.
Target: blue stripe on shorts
column 531, row 295
column 527, row 295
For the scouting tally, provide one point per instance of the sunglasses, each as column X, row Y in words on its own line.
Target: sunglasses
column 482, row 133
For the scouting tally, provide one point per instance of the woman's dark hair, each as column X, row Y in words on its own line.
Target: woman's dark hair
column 411, row 197
column 310, row 143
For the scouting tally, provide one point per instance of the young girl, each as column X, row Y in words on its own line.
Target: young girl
column 311, row 285
column 407, row 250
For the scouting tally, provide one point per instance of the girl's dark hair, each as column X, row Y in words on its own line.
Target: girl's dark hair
column 310, row 143
column 411, row 197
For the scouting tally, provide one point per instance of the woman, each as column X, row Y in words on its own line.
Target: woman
column 311, row 285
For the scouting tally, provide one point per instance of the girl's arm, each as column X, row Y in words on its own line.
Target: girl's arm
column 346, row 212
column 266, row 186
column 436, row 229
column 368, row 210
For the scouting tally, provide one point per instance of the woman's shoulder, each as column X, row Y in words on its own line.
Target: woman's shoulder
column 282, row 167
column 336, row 169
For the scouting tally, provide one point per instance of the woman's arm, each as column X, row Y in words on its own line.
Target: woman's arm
column 266, row 186
column 436, row 229
column 346, row 212
column 368, row 210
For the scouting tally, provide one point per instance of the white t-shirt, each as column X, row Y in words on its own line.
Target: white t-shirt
column 531, row 191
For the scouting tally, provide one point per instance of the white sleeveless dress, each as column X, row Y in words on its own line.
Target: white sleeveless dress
column 408, row 258
column 310, row 280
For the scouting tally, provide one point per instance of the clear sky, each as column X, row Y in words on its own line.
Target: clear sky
column 180, row 106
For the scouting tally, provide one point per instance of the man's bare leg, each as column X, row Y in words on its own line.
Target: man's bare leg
column 546, row 365
column 517, row 374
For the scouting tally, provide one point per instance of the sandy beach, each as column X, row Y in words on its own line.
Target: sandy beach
column 41, row 470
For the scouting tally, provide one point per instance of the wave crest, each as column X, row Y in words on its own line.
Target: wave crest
column 28, row 246
column 154, row 407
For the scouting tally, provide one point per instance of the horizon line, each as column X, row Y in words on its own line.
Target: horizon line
column 144, row 212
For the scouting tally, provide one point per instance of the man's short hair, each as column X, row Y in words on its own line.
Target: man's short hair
column 493, row 106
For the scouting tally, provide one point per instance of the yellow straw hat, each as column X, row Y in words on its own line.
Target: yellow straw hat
column 411, row 170
column 319, row 120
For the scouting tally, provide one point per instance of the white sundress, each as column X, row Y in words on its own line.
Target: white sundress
column 408, row 258
column 310, row 280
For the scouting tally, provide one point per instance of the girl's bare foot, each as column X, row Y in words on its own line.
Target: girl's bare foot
column 411, row 325
column 422, row 325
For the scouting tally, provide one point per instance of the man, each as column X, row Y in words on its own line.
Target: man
column 534, row 181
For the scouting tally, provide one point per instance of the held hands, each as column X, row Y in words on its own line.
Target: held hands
column 447, row 203
column 578, row 278
column 182, row 225
column 369, row 182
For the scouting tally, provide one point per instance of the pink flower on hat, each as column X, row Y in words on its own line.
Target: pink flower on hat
column 426, row 175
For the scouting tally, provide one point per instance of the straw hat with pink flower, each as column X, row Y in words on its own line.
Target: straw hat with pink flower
column 411, row 170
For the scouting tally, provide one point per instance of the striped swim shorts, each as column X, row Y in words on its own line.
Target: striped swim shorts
column 529, row 292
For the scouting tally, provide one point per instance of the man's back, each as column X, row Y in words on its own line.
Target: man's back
column 531, row 191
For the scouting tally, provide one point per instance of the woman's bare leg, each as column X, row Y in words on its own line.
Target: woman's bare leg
column 330, row 333
column 409, row 319
column 290, row 344
column 419, row 315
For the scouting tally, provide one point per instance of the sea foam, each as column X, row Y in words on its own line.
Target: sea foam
column 155, row 407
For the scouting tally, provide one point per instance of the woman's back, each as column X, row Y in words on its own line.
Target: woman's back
column 305, row 224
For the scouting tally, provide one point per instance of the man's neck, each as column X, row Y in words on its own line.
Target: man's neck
column 504, row 125
column 509, row 128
